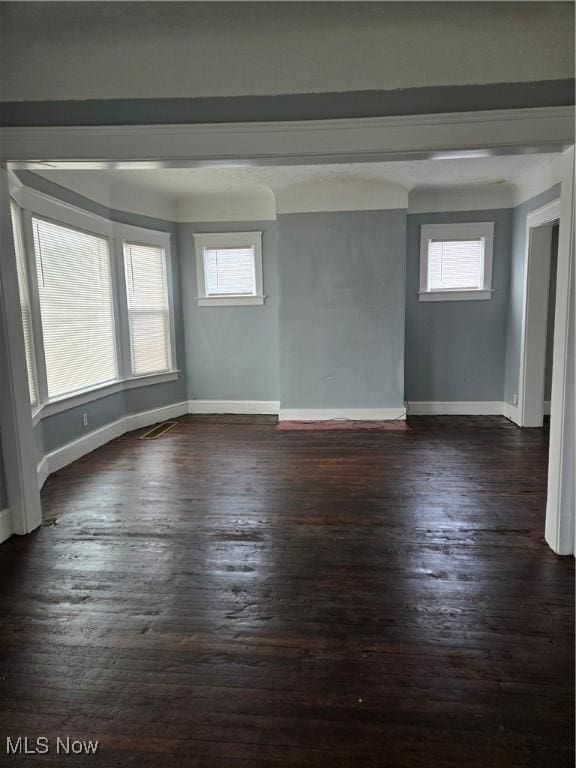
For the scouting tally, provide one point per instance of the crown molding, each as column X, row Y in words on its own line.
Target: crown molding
column 279, row 143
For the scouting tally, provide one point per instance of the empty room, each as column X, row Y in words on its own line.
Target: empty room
column 287, row 384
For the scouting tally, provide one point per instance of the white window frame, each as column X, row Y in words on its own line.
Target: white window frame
column 163, row 243
column 228, row 240
column 36, row 204
column 471, row 231
column 139, row 236
column 32, row 288
column 29, row 215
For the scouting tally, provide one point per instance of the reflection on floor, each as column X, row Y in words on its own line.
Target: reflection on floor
column 231, row 595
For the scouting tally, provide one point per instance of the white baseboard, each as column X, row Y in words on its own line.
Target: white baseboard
column 73, row 451
column 146, row 418
column 456, row 408
column 270, row 407
column 511, row 412
column 43, row 472
column 469, row 408
column 5, row 525
column 351, row 414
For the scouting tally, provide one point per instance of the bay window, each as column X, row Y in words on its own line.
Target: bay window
column 95, row 302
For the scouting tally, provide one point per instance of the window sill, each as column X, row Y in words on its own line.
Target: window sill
column 76, row 399
column 150, row 378
column 229, row 301
column 476, row 295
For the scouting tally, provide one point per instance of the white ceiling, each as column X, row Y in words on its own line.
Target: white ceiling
column 254, row 193
column 411, row 174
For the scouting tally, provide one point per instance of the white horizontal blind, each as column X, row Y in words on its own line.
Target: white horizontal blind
column 230, row 271
column 76, row 306
column 455, row 264
column 24, row 291
column 148, row 313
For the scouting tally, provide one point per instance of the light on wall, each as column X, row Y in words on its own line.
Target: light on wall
column 465, row 154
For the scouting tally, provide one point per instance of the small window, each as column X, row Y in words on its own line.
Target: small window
column 456, row 261
column 148, row 308
column 229, row 271
column 229, row 268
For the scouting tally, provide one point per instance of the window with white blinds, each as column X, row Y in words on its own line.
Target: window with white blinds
column 455, row 264
column 24, row 292
column 229, row 268
column 76, row 307
column 456, row 261
column 230, row 271
column 148, row 308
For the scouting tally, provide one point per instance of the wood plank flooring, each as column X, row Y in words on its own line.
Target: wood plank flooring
column 231, row 596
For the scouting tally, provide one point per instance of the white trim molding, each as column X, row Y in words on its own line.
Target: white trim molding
column 74, row 450
column 67, row 402
column 511, row 412
column 5, row 524
column 46, row 206
column 469, row 408
column 44, row 471
column 409, row 137
column 546, row 214
column 264, row 407
column 561, row 500
column 231, row 300
column 207, row 240
column 534, row 329
column 481, row 230
column 18, row 443
column 66, row 454
column 347, row 414
column 456, row 408
column 474, row 295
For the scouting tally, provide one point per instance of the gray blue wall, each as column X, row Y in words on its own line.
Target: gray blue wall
column 342, row 309
column 64, row 427
column 341, row 326
column 456, row 350
column 517, row 274
column 231, row 352
column 54, row 431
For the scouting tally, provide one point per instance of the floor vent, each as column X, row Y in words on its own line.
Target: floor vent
column 158, row 431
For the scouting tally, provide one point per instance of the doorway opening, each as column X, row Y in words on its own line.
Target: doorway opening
column 539, row 314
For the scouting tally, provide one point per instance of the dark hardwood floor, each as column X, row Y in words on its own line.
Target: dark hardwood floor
column 231, row 596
